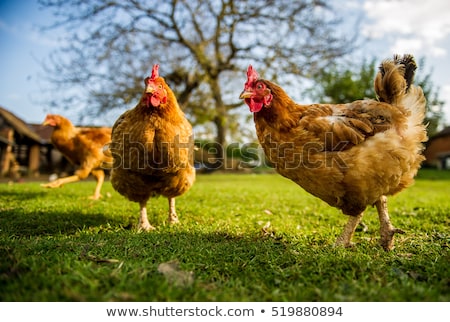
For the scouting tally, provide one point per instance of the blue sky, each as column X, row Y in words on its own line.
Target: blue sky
column 21, row 48
column 409, row 26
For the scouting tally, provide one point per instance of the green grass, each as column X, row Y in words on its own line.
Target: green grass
column 57, row 245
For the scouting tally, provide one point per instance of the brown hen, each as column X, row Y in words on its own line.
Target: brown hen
column 152, row 147
column 349, row 155
column 83, row 147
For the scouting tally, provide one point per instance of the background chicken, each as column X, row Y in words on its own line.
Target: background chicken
column 349, row 155
column 152, row 146
column 83, row 147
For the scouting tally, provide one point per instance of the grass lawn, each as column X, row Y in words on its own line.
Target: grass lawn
column 241, row 238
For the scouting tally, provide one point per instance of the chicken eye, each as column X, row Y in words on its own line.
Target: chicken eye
column 160, row 86
column 259, row 86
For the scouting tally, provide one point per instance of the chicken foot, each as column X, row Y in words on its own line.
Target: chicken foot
column 387, row 230
column 345, row 238
column 145, row 225
column 173, row 218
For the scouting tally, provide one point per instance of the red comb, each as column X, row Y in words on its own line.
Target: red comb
column 252, row 75
column 155, row 72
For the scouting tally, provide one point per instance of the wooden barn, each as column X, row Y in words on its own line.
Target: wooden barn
column 26, row 150
column 437, row 151
column 20, row 147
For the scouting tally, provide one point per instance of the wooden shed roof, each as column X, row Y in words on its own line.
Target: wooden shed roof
column 19, row 126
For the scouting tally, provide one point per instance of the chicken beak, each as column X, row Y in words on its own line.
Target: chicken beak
column 245, row 94
column 149, row 90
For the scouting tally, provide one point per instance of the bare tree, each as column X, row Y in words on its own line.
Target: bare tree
column 203, row 46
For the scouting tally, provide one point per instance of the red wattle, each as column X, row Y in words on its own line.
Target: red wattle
column 155, row 101
column 255, row 106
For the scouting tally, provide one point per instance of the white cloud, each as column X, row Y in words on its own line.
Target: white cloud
column 411, row 25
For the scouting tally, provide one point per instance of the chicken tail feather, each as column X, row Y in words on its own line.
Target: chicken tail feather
column 415, row 103
column 394, row 78
column 393, row 85
column 410, row 68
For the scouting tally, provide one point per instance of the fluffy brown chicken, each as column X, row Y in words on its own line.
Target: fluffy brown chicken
column 349, row 155
column 152, row 147
column 83, row 147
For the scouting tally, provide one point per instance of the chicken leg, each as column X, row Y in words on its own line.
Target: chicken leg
column 143, row 220
column 99, row 176
column 173, row 218
column 60, row 182
column 387, row 230
column 345, row 238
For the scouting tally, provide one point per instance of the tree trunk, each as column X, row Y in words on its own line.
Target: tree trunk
column 220, row 121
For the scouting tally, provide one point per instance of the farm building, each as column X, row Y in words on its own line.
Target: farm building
column 25, row 149
column 20, row 146
column 437, row 151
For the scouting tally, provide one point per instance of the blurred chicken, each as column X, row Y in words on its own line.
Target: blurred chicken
column 349, row 155
column 152, row 146
column 83, row 147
